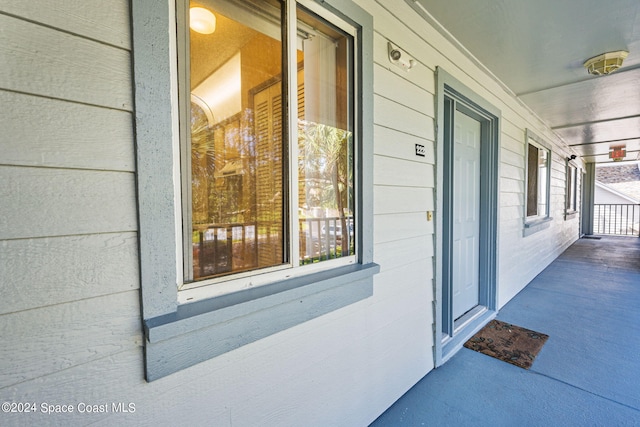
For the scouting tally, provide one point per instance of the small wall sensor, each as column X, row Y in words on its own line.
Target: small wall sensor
column 400, row 58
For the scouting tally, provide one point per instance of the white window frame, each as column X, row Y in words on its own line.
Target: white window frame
column 538, row 222
column 184, row 329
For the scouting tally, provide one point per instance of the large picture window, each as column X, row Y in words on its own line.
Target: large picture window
column 254, row 170
column 266, row 187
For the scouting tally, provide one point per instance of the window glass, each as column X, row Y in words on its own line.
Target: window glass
column 236, row 143
column 572, row 185
column 247, row 204
column 537, row 181
column 543, row 186
column 325, row 142
column 532, row 180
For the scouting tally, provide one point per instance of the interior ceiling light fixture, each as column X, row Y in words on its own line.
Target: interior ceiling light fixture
column 606, row 63
column 202, row 20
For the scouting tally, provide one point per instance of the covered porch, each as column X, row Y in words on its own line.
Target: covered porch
column 588, row 302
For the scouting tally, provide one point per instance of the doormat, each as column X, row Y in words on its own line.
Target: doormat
column 507, row 342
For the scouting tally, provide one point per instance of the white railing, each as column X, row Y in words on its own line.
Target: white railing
column 616, row 219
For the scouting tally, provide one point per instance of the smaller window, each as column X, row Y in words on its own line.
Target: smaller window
column 537, row 180
column 572, row 186
column 538, row 168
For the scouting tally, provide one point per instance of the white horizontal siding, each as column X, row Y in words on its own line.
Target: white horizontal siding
column 106, row 21
column 512, row 172
column 389, row 228
column 398, row 253
column 511, row 158
column 511, row 199
column 249, row 385
column 403, row 194
column 44, row 202
column 514, row 145
column 53, row 270
column 42, row 61
column 394, row 115
column 49, row 339
column 64, row 134
column 400, row 145
column 393, row 171
column 393, row 199
column 392, row 86
column 68, row 241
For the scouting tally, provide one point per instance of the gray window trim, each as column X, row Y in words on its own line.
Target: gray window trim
column 179, row 336
column 533, row 225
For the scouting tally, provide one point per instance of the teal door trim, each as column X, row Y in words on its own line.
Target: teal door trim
column 588, row 192
column 453, row 96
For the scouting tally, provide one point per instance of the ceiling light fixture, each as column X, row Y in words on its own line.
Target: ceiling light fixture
column 606, row 63
column 202, row 20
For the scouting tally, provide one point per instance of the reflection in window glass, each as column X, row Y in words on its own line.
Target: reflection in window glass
column 542, row 181
column 537, row 181
column 325, row 141
column 572, row 184
column 237, row 202
column 244, row 209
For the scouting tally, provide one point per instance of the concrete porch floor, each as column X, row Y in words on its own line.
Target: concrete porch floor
column 587, row 373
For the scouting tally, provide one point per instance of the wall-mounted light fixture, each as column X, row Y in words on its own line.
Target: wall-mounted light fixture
column 606, row 63
column 202, row 20
column 400, row 58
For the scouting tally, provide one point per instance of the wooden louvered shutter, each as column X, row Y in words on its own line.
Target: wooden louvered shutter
column 302, row 193
column 269, row 167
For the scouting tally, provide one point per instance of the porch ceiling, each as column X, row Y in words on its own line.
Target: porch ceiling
column 537, row 49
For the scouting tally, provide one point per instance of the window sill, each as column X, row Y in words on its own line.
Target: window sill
column 199, row 331
column 534, row 226
column 570, row 215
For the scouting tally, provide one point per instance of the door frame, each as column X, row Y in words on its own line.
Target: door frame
column 451, row 95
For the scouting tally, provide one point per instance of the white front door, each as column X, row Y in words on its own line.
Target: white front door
column 466, row 214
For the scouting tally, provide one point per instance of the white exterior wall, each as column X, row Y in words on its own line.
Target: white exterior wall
column 70, row 316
